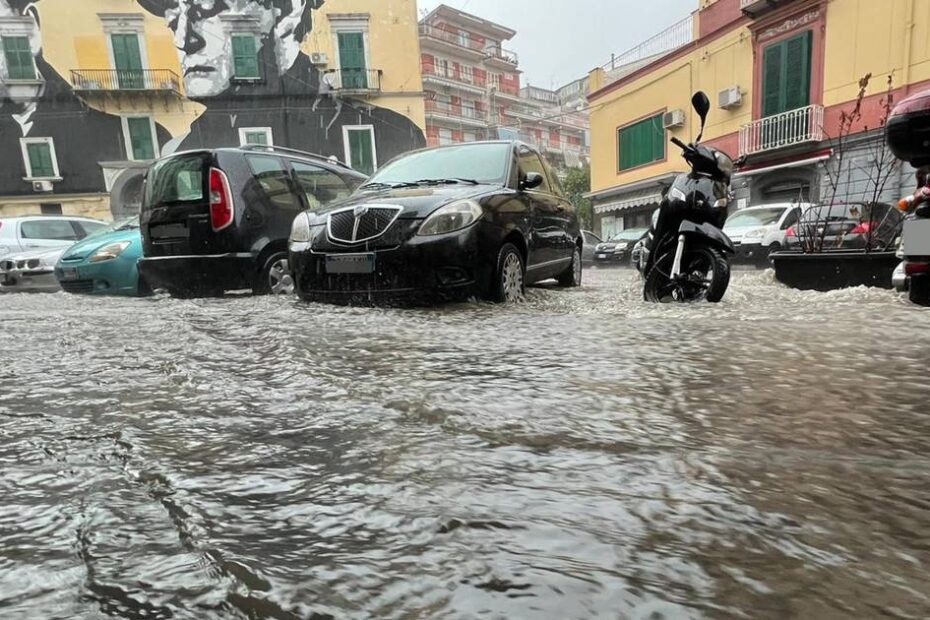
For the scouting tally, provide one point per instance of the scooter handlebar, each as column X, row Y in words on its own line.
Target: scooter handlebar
column 680, row 144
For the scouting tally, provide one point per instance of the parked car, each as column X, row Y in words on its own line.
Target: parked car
column 476, row 219
column 40, row 232
column 846, row 226
column 756, row 232
column 218, row 220
column 619, row 248
column 591, row 241
column 105, row 263
column 32, row 271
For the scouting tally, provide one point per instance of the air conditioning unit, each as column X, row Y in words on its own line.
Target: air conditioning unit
column 730, row 98
column 42, row 186
column 674, row 118
column 319, row 58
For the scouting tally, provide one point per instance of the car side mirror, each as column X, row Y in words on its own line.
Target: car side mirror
column 532, row 181
column 701, row 105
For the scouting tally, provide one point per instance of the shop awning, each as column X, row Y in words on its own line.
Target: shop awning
column 634, row 199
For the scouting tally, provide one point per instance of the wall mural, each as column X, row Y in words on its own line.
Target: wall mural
column 288, row 97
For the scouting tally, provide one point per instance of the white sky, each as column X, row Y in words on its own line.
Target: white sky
column 558, row 45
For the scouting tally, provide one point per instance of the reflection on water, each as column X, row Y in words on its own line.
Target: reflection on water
column 581, row 455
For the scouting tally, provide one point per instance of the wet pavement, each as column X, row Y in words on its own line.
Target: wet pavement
column 582, row 455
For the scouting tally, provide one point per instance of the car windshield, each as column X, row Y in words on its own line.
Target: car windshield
column 128, row 223
column 754, row 217
column 484, row 163
column 629, row 235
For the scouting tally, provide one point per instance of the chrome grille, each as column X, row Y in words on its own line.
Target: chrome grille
column 358, row 224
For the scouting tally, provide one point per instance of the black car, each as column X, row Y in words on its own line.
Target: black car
column 619, row 248
column 477, row 219
column 218, row 220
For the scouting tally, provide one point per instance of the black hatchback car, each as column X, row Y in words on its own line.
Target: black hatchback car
column 475, row 219
column 218, row 220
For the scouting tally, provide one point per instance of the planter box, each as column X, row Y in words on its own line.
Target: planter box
column 834, row 269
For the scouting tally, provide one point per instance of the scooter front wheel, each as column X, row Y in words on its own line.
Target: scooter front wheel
column 705, row 275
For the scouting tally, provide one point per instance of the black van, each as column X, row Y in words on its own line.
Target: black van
column 218, row 220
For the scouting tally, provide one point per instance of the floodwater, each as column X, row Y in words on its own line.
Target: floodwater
column 582, row 455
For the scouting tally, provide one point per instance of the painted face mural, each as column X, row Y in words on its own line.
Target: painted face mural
column 29, row 27
column 204, row 29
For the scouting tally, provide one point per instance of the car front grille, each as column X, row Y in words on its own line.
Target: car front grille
column 361, row 224
column 77, row 286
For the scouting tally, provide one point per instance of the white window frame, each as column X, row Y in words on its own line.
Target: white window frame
column 18, row 27
column 446, row 70
column 23, row 142
column 443, row 140
column 124, row 120
column 349, row 23
column 467, row 72
column 348, row 151
column 269, row 136
column 125, row 23
column 464, row 38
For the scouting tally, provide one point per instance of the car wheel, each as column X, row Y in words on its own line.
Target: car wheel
column 275, row 277
column 509, row 283
column 571, row 277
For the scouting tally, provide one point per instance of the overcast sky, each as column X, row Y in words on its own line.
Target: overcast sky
column 558, row 45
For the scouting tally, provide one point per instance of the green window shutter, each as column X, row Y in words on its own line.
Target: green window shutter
column 798, row 71
column 360, row 150
column 128, row 60
column 40, row 160
column 245, row 56
column 352, row 59
column 642, row 143
column 772, row 63
column 19, row 61
column 141, row 139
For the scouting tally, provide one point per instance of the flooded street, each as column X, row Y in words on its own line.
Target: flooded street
column 582, row 455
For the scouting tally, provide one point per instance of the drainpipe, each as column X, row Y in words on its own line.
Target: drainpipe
column 908, row 43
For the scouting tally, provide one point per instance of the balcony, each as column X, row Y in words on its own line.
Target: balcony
column 454, row 39
column 354, row 81
column 460, row 114
column 458, row 79
column 652, row 49
column 782, row 131
column 151, row 81
column 504, row 56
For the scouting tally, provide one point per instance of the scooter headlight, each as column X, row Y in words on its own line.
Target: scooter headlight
column 677, row 194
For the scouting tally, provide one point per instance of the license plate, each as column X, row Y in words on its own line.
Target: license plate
column 602, row 256
column 69, row 273
column 916, row 239
column 168, row 231
column 350, row 263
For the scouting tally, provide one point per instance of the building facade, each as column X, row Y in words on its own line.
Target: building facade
column 473, row 90
column 90, row 95
column 780, row 75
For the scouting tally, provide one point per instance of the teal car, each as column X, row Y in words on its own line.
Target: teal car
column 104, row 263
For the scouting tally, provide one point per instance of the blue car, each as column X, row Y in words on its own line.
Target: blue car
column 105, row 263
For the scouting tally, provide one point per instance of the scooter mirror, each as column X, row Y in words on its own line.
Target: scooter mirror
column 702, row 106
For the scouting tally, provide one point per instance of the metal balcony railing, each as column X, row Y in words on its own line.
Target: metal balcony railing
column 456, row 111
column 354, row 79
column 500, row 53
column 454, row 38
column 463, row 77
column 782, row 130
column 104, row 80
column 672, row 38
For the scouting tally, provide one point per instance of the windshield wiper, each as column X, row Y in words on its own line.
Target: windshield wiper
column 449, row 181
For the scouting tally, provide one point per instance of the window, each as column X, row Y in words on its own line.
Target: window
column 786, row 75
column 176, row 179
column 442, row 67
column 352, row 63
column 464, row 38
column 320, row 186
column 469, row 136
column 50, row 209
column 89, row 228
column 139, row 132
column 54, row 230
column 39, row 156
column 641, row 143
column 245, row 57
column 791, row 219
column 468, row 74
column 445, row 136
column 273, row 179
column 19, row 61
column 255, row 135
column 127, row 59
column 496, row 81
column 530, row 162
column 359, row 142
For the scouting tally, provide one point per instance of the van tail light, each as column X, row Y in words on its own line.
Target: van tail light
column 221, row 204
column 912, row 268
column 863, row 229
column 905, row 203
column 791, row 232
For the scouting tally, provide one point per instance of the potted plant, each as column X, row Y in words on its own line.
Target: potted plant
column 847, row 240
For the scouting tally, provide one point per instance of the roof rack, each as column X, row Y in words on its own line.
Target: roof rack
column 283, row 149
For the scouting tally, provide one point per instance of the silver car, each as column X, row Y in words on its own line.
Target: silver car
column 32, row 271
column 37, row 232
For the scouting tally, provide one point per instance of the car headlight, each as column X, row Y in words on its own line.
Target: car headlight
column 300, row 229
column 451, row 217
column 620, row 247
column 755, row 234
column 109, row 252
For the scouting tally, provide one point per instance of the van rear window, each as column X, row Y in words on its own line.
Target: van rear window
column 177, row 179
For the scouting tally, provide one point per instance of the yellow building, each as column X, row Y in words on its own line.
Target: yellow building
column 92, row 92
column 779, row 73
